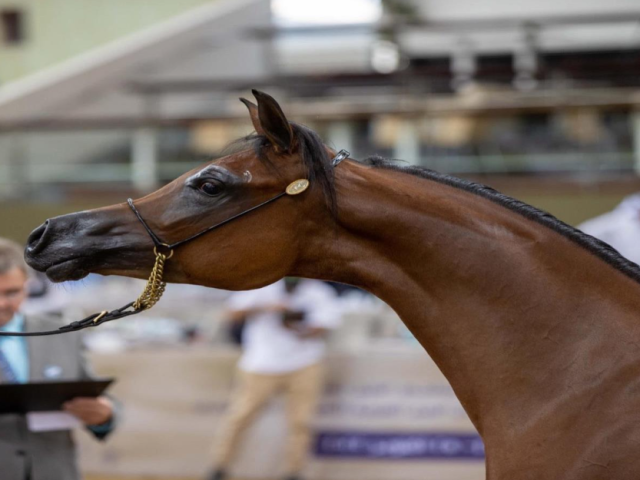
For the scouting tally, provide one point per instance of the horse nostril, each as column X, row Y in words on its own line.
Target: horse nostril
column 36, row 237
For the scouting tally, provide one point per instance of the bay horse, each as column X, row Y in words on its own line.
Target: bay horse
column 534, row 323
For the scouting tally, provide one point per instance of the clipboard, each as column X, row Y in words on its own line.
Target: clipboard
column 22, row 398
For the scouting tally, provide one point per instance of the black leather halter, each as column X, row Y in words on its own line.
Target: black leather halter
column 106, row 316
column 340, row 156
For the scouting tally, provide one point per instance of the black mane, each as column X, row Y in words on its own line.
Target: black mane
column 316, row 159
column 599, row 248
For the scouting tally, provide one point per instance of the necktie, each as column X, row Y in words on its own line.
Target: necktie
column 6, row 369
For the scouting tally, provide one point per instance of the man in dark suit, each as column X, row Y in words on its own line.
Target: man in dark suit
column 25, row 454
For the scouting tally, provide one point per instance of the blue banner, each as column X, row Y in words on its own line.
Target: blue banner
column 400, row 446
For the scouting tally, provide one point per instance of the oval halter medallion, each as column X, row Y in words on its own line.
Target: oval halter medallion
column 297, row 186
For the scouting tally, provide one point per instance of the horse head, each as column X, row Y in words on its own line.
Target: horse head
column 258, row 247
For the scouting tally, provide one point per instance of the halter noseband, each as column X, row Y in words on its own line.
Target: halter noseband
column 155, row 286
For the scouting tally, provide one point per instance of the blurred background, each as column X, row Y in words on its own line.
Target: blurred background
column 100, row 101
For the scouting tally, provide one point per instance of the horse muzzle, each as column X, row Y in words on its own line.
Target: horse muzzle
column 71, row 246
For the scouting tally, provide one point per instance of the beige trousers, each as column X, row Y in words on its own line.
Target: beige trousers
column 302, row 389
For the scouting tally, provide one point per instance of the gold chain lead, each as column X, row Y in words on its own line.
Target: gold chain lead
column 155, row 286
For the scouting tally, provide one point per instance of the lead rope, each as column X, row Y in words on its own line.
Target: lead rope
column 151, row 295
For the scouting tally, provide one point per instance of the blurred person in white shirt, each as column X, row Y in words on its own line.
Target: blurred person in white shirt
column 283, row 347
column 620, row 227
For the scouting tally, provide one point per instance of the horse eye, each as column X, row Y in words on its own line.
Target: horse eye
column 210, row 188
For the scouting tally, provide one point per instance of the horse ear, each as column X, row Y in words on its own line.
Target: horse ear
column 275, row 125
column 253, row 113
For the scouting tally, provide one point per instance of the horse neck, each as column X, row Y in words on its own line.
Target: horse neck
column 506, row 307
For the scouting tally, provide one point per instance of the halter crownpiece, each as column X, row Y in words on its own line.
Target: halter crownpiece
column 294, row 188
column 163, row 251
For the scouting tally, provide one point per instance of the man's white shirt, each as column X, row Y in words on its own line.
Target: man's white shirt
column 620, row 228
column 271, row 348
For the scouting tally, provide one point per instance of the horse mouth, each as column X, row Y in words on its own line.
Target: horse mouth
column 67, row 270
